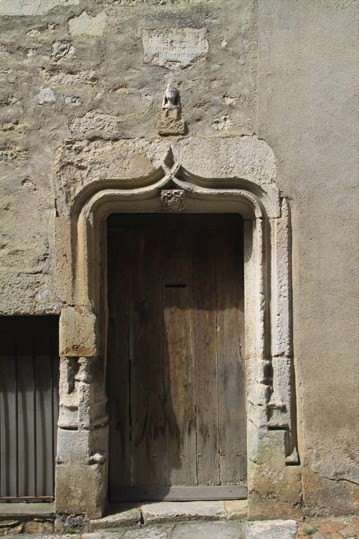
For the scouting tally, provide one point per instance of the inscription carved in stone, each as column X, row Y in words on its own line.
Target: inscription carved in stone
column 174, row 47
column 173, row 199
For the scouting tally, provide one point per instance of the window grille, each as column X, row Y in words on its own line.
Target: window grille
column 29, row 379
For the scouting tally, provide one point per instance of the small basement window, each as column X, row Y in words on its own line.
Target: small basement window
column 29, row 381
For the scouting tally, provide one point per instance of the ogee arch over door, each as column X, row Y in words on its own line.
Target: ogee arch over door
column 176, row 382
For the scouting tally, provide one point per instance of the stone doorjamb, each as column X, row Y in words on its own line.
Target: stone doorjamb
column 81, row 468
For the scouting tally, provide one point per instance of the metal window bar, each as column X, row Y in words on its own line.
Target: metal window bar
column 29, row 380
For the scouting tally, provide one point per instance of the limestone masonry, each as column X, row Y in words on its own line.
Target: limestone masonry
column 176, row 107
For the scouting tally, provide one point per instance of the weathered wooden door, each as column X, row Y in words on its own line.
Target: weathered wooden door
column 175, row 373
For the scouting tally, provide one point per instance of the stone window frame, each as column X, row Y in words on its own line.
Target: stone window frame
column 271, row 414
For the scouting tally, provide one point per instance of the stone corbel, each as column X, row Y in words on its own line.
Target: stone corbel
column 173, row 199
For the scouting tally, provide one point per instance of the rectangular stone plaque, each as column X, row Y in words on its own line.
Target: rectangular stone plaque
column 176, row 47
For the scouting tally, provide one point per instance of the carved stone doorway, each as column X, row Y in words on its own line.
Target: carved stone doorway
column 235, row 176
column 176, row 376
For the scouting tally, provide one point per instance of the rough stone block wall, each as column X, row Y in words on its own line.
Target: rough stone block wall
column 87, row 70
column 82, row 83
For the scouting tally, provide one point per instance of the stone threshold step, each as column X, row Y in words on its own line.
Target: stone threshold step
column 121, row 515
column 32, row 510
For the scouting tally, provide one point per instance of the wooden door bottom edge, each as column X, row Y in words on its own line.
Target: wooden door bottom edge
column 178, row 493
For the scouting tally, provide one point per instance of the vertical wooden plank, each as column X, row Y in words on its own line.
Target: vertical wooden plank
column 37, row 396
column 2, row 420
column 119, row 358
column 7, row 423
column 43, row 425
column 231, row 376
column 8, row 426
column 178, row 361
column 205, row 355
column 147, row 387
column 55, row 407
column 26, row 434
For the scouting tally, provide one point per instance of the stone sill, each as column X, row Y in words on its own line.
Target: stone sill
column 163, row 512
column 33, row 510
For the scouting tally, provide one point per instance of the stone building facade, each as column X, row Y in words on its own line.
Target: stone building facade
column 192, row 107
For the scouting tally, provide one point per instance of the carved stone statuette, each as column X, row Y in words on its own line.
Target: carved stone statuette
column 170, row 122
column 173, row 199
column 171, row 100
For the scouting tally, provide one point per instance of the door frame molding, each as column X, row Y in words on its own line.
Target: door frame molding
column 81, row 261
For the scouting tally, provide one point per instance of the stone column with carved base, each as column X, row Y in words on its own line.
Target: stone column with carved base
column 81, row 463
column 274, row 472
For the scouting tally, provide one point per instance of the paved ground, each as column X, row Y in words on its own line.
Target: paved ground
column 337, row 528
column 174, row 520
column 330, row 528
